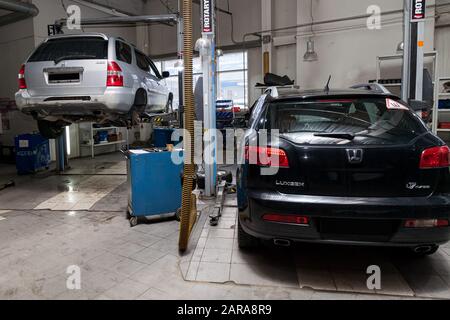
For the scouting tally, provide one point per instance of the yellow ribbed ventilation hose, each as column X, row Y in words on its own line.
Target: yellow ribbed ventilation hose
column 188, row 208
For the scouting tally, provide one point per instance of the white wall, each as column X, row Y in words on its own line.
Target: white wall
column 347, row 50
column 443, row 38
column 247, row 18
column 16, row 41
column 51, row 10
column 348, row 55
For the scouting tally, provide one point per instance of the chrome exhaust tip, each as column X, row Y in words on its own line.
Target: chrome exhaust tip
column 282, row 242
column 423, row 249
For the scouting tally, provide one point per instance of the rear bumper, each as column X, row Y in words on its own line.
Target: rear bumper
column 387, row 214
column 114, row 100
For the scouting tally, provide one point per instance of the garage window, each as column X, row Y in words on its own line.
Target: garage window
column 231, row 74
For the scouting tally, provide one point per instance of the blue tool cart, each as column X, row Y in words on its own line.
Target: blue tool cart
column 32, row 153
column 154, row 183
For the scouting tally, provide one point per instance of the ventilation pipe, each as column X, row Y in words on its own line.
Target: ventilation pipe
column 188, row 210
column 21, row 11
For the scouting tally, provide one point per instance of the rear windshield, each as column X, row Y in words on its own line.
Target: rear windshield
column 365, row 120
column 71, row 49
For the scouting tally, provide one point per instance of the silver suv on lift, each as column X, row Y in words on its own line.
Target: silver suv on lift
column 89, row 77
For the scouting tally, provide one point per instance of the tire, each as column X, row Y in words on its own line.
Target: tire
column 246, row 241
column 141, row 99
column 50, row 130
column 134, row 222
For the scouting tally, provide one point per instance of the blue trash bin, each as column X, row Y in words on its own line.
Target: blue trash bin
column 32, row 153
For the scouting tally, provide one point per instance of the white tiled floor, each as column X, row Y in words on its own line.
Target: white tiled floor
column 217, row 259
column 119, row 262
column 84, row 196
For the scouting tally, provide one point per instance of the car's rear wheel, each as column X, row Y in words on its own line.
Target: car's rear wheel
column 50, row 130
column 246, row 241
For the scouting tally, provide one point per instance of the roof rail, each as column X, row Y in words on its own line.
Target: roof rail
column 375, row 87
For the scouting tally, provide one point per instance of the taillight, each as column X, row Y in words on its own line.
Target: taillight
column 284, row 218
column 21, row 76
column 437, row 157
column 430, row 223
column 236, row 109
column 266, row 157
column 115, row 75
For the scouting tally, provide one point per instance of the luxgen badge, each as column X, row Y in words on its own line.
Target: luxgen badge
column 207, row 16
column 418, row 10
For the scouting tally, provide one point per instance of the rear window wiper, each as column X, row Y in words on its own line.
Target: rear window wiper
column 346, row 136
column 71, row 57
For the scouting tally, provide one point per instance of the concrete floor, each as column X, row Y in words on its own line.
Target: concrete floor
column 49, row 223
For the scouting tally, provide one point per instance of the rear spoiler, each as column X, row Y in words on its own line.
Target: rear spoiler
column 80, row 35
column 374, row 87
column 274, row 91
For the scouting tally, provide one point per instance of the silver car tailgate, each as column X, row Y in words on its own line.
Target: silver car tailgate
column 67, row 78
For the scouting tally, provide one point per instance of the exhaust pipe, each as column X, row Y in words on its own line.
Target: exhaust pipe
column 282, row 243
column 423, row 249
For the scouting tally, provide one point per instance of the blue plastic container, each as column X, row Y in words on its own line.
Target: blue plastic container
column 32, row 153
column 154, row 183
column 162, row 137
column 444, row 104
column 103, row 136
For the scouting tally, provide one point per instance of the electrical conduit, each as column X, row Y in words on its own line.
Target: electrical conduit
column 188, row 211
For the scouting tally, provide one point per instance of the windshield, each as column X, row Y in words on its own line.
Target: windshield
column 78, row 48
column 365, row 120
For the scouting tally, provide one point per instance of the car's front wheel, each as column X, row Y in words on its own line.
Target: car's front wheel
column 50, row 130
column 246, row 241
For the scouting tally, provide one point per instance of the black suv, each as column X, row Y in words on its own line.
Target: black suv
column 349, row 167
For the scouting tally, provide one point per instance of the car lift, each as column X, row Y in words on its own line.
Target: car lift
column 207, row 52
column 207, row 48
column 122, row 19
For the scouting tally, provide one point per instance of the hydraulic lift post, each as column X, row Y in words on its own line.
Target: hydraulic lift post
column 61, row 154
column 413, row 52
column 207, row 50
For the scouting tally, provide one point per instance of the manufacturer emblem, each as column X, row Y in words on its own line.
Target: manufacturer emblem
column 355, row 156
column 415, row 186
column 294, row 184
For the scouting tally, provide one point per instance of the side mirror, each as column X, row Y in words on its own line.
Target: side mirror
column 166, row 74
